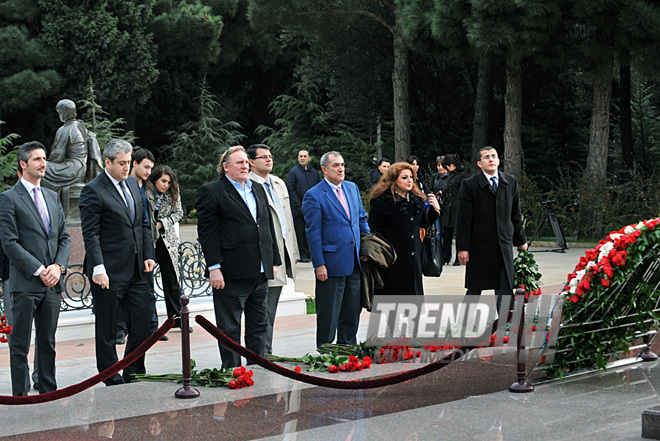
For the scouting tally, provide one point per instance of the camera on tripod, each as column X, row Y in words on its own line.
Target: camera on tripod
column 551, row 216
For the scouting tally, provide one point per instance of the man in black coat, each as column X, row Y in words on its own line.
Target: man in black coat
column 237, row 236
column 489, row 225
column 301, row 178
column 457, row 173
column 118, row 253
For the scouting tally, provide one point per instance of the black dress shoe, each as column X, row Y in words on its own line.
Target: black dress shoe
column 121, row 339
column 36, row 386
column 164, row 338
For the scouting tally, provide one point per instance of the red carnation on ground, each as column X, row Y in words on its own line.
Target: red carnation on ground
column 366, row 362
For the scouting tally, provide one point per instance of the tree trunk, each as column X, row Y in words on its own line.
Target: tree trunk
column 626, row 115
column 513, row 115
column 596, row 171
column 481, row 103
column 401, row 97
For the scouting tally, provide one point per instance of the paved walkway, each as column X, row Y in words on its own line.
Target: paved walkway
column 466, row 400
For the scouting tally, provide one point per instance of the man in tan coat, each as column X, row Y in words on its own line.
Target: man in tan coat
column 261, row 164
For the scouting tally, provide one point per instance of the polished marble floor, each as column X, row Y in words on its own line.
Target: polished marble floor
column 464, row 401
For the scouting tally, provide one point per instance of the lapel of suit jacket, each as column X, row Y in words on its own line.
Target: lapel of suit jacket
column 136, row 193
column 233, row 194
column 114, row 192
column 502, row 188
column 29, row 202
column 331, row 194
column 271, row 204
column 52, row 202
column 485, row 182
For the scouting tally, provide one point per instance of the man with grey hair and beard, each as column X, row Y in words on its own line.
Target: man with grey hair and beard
column 119, row 251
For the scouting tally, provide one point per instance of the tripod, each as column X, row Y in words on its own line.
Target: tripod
column 556, row 228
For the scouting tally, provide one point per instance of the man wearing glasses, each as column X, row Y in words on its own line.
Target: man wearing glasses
column 489, row 226
column 261, row 164
column 235, row 230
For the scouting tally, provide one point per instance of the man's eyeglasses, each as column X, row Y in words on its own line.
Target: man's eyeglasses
column 271, row 157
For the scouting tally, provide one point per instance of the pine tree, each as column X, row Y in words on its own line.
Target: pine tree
column 97, row 120
column 196, row 146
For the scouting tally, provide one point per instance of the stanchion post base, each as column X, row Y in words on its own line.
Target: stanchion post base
column 186, row 393
column 648, row 355
column 521, row 388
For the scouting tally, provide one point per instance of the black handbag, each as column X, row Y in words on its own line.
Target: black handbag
column 431, row 251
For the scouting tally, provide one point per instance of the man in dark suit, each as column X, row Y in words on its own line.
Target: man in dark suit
column 489, row 226
column 300, row 179
column 37, row 243
column 457, row 173
column 118, row 251
column 236, row 233
column 335, row 219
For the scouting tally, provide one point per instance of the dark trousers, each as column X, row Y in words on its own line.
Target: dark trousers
column 133, row 298
column 447, row 238
column 338, row 309
column 171, row 289
column 274, row 293
column 504, row 290
column 6, row 299
column 238, row 296
column 122, row 328
column 301, row 236
column 44, row 309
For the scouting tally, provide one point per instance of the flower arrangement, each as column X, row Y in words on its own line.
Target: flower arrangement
column 609, row 296
column 330, row 361
column 599, row 263
column 235, row 378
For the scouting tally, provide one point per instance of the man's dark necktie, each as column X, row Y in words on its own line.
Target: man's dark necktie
column 493, row 184
column 129, row 200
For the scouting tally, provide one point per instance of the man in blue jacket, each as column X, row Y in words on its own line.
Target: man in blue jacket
column 300, row 179
column 335, row 219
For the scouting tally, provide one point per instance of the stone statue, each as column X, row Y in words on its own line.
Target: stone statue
column 75, row 157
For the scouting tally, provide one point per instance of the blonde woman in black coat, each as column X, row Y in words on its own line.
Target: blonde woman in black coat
column 398, row 209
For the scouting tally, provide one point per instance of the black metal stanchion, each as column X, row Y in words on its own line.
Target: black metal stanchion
column 522, row 385
column 187, row 391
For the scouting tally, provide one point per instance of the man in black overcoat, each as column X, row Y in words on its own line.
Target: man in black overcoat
column 489, row 226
